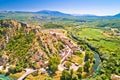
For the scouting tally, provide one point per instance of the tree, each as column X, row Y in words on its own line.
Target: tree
column 48, row 78
column 75, row 77
column 87, row 66
column 86, row 56
column 35, row 73
column 79, row 72
column 53, row 64
column 68, row 64
column 68, row 75
column 18, row 68
column 11, row 70
column 65, row 75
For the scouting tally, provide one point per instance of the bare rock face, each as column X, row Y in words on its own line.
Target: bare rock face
column 12, row 23
column 1, row 62
column 8, row 29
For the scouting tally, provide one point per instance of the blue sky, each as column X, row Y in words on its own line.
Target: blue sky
column 97, row 7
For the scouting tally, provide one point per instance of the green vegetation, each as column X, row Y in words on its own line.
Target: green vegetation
column 78, row 53
column 51, row 25
column 106, row 46
column 24, row 47
column 68, row 75
column 19, row 45
column 90, row 33
column 53, row 64
column 110, row 24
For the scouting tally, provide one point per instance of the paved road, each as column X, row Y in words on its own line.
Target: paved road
column 65, row 55
column 28, row 71
column 61, row 67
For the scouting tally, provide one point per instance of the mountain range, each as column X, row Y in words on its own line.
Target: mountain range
column 43, row 12
column 47, row 15
column 55, row 13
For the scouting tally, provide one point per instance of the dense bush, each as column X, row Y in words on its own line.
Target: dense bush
column 53, row 64
column 18, row 47
column 52, row 25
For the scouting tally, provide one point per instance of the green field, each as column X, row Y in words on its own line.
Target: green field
column 90, row 33
column 96, row 38
column 108, row 48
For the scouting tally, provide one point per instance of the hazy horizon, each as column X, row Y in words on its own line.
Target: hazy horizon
column 92, row 7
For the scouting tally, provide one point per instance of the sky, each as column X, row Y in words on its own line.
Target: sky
column 95, row 7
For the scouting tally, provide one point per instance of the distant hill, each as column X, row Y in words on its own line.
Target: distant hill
column 53, row 13
column 85, row 15
column 47, row 15
column 117, row 15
